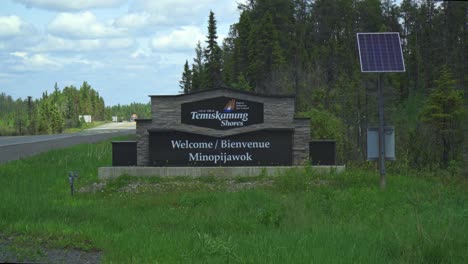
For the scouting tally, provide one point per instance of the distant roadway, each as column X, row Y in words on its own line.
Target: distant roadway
column 16, row 147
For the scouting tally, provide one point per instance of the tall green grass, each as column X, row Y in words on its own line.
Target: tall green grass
column 301, row 218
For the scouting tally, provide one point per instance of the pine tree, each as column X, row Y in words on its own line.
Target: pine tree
column 44, row 117
column 55, row 119
column 198, row 70
column 242, row 41
column 213, row 55
column 241, row 84
column 408, row 13
column 185, row 83
column 56, row 94
column 443, row 111
column 266, row 55
column 229, row 71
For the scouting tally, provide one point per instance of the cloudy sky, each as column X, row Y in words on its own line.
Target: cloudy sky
column 125, row 49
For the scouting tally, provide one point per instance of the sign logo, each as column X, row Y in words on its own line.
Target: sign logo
column 222, row 113
column 230, row 106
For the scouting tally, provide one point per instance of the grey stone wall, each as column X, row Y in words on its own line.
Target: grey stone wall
column 142, row 135
column 278, row 113
column 301, row 138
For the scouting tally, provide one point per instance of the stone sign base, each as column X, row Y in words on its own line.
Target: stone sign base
column 106, row 173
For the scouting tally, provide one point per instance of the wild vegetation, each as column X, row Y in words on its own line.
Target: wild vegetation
column 52, row 113
column 308, row 47
column 278, row 46
column 298, row 217
column 60, row 110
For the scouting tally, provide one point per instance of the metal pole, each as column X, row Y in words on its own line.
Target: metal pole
column 381, row 134
column 71, row 181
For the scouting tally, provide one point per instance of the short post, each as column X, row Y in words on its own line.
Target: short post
column 71, row 179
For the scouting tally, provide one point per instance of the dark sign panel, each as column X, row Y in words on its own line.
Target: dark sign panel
column 222, row 113
column 322, row 152
column 258, row 148
column 124, row 153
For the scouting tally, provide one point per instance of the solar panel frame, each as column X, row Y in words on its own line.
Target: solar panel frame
column 371, row 52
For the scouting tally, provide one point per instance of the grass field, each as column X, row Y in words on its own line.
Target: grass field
column 299, row 217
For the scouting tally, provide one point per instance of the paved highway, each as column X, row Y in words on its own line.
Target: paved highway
column 12, row 148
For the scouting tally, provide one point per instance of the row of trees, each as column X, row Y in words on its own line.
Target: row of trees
column 123, row 112
column 308, row 47
column 51, row 113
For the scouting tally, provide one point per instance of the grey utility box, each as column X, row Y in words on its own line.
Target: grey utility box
column 373, row 143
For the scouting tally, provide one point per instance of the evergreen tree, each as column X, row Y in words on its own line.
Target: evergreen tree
column 241, row 42
column 213, row 55
column 44, row 125
column 266, row 55
column 56, row 94
column 185, row 83
column 198, row 70
column 229, row 73
column 57, row 111
column 443, row 111
column 124, row 112
column 56, row 119
column 409, row 13
column 241, row 84
column 454, row 29
column 427, row 44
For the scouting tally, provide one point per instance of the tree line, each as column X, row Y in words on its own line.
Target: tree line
column 308, row 47
column 123, row 112
column 59, row 110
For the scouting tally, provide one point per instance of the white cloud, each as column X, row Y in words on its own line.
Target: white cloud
column 23, row 61
column 51, row 43
column 139, row 54
column 174, row 7
column 165, row 13
column 55, row 44
column 71, row 5
column 79, row 60
column 184, row 38
column 119, row 43
column 82, row 25
column 40, row 60
column 19, row 54
column 133, row 20
column 13, row 26
column 20, row 62
column 144, row 17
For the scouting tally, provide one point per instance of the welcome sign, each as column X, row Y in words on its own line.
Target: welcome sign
column 267, row 147
column 222, row 113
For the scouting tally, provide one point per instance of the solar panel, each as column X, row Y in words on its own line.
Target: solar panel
column 380, row 52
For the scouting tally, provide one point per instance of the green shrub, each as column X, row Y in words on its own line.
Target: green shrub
column 324, row 125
